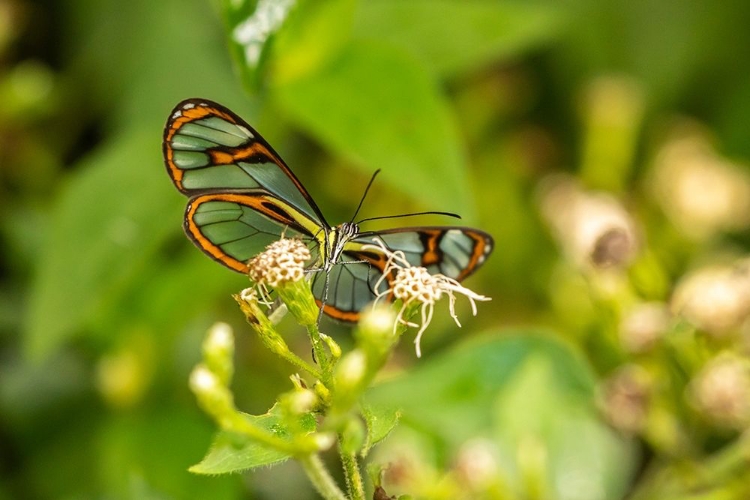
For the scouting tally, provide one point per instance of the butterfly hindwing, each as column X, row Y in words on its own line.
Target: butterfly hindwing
column 352, row 282
column 232, row 228
column 455, row 252
column 207, row 148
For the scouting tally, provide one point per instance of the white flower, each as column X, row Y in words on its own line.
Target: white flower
column 283, row 261
column 414, row 284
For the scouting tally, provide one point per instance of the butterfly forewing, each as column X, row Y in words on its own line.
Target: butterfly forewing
column 208, row 148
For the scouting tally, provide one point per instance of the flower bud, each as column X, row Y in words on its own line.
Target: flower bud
column 214, row 398
column 715, row 299
column 218, row 351
column 375, row 329
column 350, row 371
column 722, row 391
column 643, row 325
column 300, row 401
column 625, row 398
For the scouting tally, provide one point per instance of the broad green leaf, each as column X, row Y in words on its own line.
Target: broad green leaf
column 449, row 394
column 453, row 36
column 532, row 413
column 146, row 451
column 231, row 452
column 109, row 220
column 380, row 109
column 314, row 33
column 533, row 397
column 380, row 420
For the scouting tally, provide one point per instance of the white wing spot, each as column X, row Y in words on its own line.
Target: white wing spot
column 245, row 130
column 176, row 114
column 188, row 105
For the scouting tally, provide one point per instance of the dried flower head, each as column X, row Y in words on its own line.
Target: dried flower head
column 643, row 325
column 700, row 191
column 624, row 398
column 414, row 285
column 283, row 261
column 715, row 299
column 722, row 390
column 594, row 229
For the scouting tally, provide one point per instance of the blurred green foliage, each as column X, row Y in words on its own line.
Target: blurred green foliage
column 474, row 107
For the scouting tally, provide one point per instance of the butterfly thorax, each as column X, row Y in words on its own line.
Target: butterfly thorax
column 337, row 239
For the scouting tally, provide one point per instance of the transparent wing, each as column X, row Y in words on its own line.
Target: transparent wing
column 355, row 280
column 453, row 251
column 207, row 148
column 232, row 228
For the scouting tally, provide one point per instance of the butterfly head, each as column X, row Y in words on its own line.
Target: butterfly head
column 342, row 234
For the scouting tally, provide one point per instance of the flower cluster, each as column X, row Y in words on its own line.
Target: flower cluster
column 283, row 261
column 415, row 286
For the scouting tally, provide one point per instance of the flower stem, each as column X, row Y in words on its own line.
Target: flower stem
column 320, row 353
column 320, row 478
column 353, row 476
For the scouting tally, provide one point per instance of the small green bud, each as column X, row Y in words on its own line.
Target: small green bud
column 218, row 350
column 298, row 297
column 324, row 440
column 318, row 441
column 212, row 395
column 351, row 371
column 375, row 331
column 333, row 346
column 300, row 401
column 323, row 393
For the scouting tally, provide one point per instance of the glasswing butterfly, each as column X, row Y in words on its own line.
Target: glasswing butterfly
column 244, row 197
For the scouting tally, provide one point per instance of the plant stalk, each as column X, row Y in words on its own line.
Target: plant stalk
column 320, row 478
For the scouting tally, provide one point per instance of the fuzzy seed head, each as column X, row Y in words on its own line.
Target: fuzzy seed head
column 283, row 261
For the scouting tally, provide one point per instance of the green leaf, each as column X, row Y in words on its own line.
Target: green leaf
column 533, row 396
column 457, row 36
column 380, row 421
column 532, row 413
column 314, row 33
column 105, row 227
column 379, row 108
column 231, row 452
column 456, row 387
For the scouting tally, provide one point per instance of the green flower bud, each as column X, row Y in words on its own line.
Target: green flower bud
column 218, row 351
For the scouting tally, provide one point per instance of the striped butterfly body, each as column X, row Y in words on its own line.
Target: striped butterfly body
column 243, row 197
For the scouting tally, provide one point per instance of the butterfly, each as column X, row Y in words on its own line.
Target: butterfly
column 243, row 197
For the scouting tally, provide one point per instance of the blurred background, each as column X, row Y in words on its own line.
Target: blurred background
column 602, row 143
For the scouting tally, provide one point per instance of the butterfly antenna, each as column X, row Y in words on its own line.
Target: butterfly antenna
column 447, row 214
column 362, row 200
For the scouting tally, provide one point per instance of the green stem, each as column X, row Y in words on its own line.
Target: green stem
column 320, row 478
column 300, row 363
column 320, row 353
column 354, row 483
